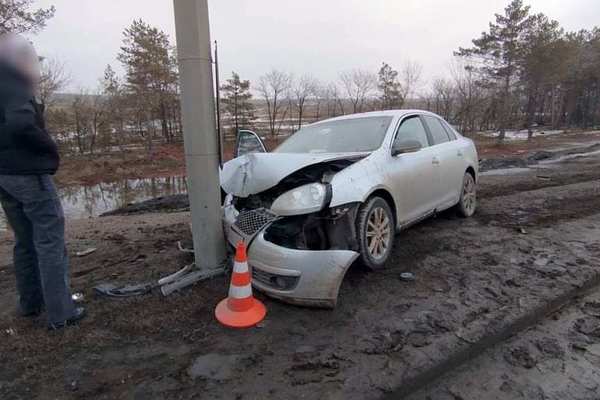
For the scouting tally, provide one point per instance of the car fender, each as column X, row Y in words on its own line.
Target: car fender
column 357, row 182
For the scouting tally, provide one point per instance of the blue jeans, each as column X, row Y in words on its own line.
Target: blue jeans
column 34, row 212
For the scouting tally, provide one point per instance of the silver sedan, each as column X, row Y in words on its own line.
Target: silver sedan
column 337, row 191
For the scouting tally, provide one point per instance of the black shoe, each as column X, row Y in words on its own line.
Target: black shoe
column 80, row 314
column 36, row 312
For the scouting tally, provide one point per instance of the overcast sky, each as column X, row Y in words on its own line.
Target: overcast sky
column 321, row 37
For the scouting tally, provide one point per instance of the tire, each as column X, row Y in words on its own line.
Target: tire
column 375, row 228
column 468, row 197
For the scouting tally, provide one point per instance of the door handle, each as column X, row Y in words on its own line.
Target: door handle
column 435, row 161
column 459, row 153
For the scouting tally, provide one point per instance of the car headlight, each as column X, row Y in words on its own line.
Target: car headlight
column 305, row 199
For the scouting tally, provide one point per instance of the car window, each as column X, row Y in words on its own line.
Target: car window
column 438, row 133
column 412, row 129
column 248, row 143
column 449, row 130
column 349, row 135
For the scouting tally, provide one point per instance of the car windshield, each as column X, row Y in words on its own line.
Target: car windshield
column 341, row 136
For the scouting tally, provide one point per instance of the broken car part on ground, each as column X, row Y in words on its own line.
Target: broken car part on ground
column 337, row 191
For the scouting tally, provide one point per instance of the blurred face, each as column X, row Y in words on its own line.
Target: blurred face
column 18, row 52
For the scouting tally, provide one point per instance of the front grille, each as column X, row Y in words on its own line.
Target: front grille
column 251, row 221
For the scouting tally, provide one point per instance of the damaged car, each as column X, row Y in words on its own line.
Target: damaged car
column 336, row 192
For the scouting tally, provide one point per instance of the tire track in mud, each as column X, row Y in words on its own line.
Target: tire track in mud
column 542, row 207
column 561, row 173
column 532, row 318
column 558, row 358
column 531, row 182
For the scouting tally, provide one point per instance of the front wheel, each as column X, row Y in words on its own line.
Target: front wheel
column 468, row 197
column 375, row 229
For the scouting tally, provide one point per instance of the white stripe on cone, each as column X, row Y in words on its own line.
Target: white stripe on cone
column 240, row 292
column 240, row 267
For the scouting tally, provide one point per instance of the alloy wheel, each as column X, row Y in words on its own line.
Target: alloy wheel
column 379, row 233
column 469, row 195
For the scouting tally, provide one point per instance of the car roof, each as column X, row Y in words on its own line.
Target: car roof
column 391, row 113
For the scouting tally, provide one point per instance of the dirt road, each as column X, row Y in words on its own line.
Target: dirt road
column 535, row 237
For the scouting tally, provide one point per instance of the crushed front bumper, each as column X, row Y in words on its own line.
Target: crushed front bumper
column 304, row 277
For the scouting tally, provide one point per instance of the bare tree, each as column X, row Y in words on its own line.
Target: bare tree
column 53, row 79
column 336, row 99
column 274, row 87
column 470, row 99
column 359, row 85
column 320, row 97
column 410, row 79
column 98, row 120
column 89, row 113
column 443, row 94
column 116, row 104
column 304, row 88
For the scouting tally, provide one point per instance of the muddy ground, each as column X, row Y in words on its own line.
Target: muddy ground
column 535, row 237
column 555, row 360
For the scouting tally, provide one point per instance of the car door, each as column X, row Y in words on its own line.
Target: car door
column 450, row 161
column 413, row 176
column 248, row 142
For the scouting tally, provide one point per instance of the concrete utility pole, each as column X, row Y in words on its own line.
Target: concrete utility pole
column 200, row 138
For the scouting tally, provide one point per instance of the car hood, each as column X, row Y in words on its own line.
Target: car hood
column 254, row 173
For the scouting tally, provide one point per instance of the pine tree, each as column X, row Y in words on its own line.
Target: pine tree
column 237, row 102
column 151, row 78
column 542, row 70
column 16, row 16
column 499, row 54
column 391, row 94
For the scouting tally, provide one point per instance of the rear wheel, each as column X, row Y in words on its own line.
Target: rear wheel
column 375, row 229
column 468, row 197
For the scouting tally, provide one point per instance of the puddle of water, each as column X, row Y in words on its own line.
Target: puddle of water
column 505, row 171
column 90, row 201
column 571, row 157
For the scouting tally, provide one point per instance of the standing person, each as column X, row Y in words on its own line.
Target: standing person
column 28, row 159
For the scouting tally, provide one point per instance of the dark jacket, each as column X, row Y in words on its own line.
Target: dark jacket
column 26, row 148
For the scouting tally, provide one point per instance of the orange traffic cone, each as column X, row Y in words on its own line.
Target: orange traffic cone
column 240, row 309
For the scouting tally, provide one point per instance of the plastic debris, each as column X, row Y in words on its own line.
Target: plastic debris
column 184, row 249
column 111, row 290
column 86, row 252
column 78, row 297
column 407, row 276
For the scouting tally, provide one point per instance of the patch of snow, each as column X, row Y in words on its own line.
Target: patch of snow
column 522, row 134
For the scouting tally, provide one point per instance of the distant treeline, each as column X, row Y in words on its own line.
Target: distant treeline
column 525, row 71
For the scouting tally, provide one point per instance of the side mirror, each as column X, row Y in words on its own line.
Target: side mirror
column 248, row 142
column 406, row 146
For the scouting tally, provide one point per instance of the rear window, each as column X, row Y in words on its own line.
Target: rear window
column 438, row 132
column 449, row 130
